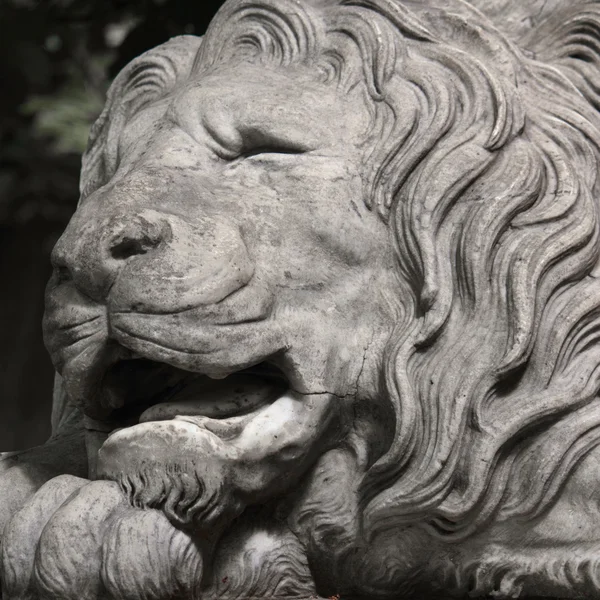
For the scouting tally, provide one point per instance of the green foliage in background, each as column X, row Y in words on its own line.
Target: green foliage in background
column 57, row 58
column 64, row 116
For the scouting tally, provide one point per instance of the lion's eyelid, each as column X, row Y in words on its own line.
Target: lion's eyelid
column 283, row 149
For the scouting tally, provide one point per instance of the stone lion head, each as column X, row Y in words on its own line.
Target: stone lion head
column 329, row 308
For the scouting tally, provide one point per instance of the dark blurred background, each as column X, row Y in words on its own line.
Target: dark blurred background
column 57, row 58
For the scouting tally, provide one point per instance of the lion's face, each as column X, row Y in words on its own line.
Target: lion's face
column 220, row 288
column 334, row 272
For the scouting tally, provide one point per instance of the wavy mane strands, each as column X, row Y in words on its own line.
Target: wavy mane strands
column 482, row 157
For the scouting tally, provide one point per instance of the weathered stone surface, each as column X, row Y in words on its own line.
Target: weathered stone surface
column 326, row 320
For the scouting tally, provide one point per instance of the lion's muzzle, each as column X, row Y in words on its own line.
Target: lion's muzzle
column 152, row 261
column 135, row 270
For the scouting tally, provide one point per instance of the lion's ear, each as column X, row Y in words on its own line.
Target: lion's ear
column 146, row 78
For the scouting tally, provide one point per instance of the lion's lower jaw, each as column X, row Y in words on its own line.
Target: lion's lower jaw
column 174, row 467
column 203, row 472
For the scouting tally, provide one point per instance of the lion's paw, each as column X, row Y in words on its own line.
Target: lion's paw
column 68, row 560
column 146, row 558
column 22, row 534
column 18, row 484
column 81, row 540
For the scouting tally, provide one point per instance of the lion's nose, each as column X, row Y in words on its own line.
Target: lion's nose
column 92, row 254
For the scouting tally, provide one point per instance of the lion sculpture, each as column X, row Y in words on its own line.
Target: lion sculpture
column 326, row 321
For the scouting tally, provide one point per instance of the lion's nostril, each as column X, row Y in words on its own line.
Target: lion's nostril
column 134, row 235
column 128, row 247
column 61, row 268
column 63, row 274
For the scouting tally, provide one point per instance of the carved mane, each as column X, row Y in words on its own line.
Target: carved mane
column 482, row 158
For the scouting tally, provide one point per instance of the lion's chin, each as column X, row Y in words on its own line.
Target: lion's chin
column 176, row 466
column 162, row 420
column 202, row 472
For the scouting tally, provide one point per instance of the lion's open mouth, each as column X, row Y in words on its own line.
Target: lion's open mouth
column 140, row 390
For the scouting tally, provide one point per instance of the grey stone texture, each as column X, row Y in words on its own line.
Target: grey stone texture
column 326, row 321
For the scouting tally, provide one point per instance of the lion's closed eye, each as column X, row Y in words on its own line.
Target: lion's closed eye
column 257, row 142
column 272, row 149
